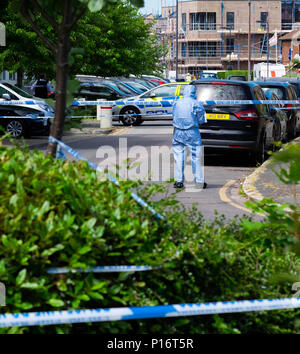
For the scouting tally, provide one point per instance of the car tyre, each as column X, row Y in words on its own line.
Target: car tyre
column 259, row 156
column 16, row 128
column 129, row 116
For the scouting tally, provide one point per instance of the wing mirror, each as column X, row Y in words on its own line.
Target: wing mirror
column 152, row 95
column 6, row 96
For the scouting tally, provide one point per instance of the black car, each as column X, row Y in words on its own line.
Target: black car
column 243, row 127
column 92, row 91
column 33, row 122
column 285, row 91
column 237, row 77
column 294, row 81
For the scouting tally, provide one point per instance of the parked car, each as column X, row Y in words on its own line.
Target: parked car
column 285, row 91
column 33, row 122
column 92, row 91
column 208, row 76
column 154, row 104
column 280, row 117
column 295, row 81
column 139, row 88
column 155, row 79
column 10, row 92
column 237, row 77
column 244, row 127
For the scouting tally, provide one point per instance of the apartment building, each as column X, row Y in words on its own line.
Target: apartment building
column 213, row 34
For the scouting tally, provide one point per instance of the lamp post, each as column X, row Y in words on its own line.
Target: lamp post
column 249, row 42
column 176, row 39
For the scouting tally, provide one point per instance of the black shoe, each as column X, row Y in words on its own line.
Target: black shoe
column 178, row 185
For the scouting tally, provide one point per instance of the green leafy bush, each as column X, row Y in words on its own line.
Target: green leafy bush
column 55, row 213
column 225, row 74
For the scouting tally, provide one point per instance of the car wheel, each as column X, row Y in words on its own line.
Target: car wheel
column 293, row 130
column 16, row 128
column 130, row 116
column 259, row 156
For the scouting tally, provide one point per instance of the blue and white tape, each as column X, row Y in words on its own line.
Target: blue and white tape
column 76, row 154
column 134, row 313
column 100, row 269
column 16, row 102
column 167, row 103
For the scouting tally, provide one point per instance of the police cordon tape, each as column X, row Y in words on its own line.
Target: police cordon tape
column 155, row 103
column 101, row 269
column 144, row 312
column 76, row 154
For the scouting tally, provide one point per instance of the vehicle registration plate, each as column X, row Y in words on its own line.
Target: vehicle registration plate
column 217, row 116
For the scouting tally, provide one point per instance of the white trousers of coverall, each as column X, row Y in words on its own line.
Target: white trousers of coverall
column 179, row 151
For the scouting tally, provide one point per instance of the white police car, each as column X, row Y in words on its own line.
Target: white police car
column 155, row 104
column 10, row 92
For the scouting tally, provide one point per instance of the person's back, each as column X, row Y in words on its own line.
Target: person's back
column 188, row 115
column 41, row 89
column 188, row 112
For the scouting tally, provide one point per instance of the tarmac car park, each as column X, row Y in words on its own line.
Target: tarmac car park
column 155, row 104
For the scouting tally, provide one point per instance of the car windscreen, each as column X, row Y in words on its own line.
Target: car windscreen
column 17, row 90
column 279, row 91
column 207, row 92
column 119, row 87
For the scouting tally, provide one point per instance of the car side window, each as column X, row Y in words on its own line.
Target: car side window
column 162, row 91
column 102, row 90
column 263, row 109
column 3, row 91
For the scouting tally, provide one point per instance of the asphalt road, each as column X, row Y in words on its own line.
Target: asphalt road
column 223, row 172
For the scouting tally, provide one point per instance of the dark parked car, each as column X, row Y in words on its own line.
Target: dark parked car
column 285, row 91
column 244, row 127
column 280, row 117
column 295, row 81
column 92, row 91
column 33, row 122
column 237, row 77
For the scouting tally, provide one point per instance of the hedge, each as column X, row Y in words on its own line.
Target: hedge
column 55, row 213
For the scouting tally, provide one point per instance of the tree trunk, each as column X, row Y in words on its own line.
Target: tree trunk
column 20, row 77
column 62, row 66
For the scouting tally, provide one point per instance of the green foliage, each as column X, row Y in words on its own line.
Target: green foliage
column 111, row 39
column 116, row 42
column 225, row 74
column 55, row 213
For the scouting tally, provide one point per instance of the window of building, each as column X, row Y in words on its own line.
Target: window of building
column 230, row 20
column 263, row 19
column 183, row 21
column 229, row 45
column 183, row 49
column 203, row 21
column 202, row 49
column 12, row 76
column 297, row 11
column 286, row 15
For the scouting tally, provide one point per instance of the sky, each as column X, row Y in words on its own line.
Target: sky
column 155, row 5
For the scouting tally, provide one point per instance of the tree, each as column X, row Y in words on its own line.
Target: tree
column 61, row 16
column 117, row 42
column 24, row 52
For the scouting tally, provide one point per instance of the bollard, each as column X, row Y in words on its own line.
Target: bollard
column 104, row 114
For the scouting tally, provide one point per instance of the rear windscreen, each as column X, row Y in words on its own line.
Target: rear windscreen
column 207, row 92
column 279, row 91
